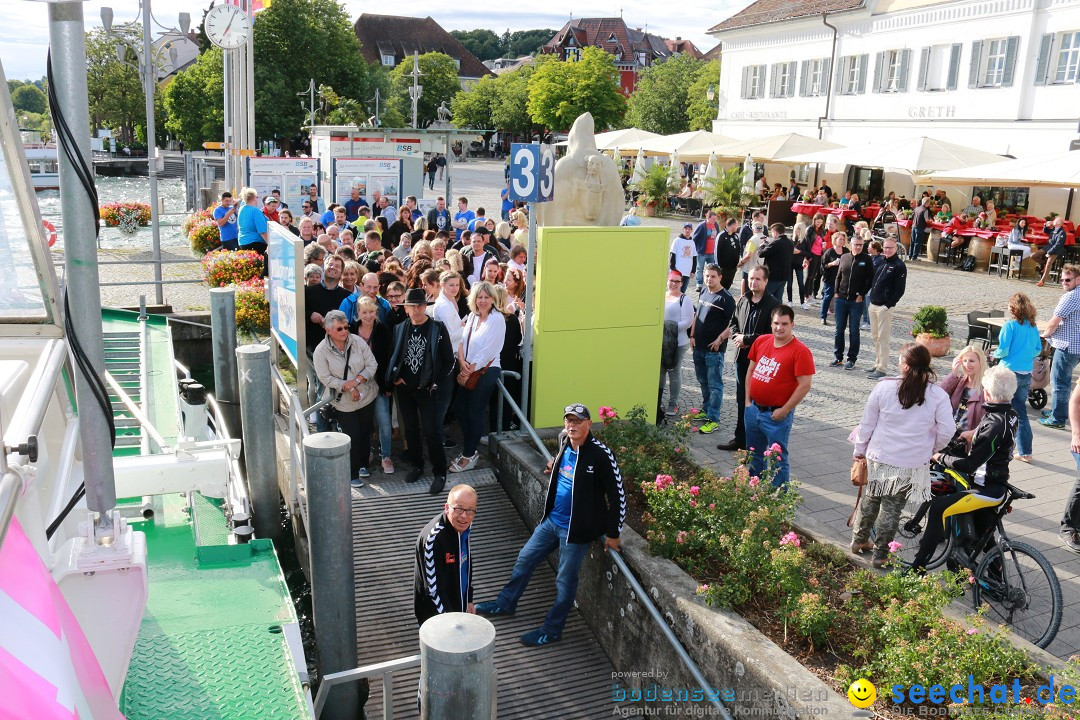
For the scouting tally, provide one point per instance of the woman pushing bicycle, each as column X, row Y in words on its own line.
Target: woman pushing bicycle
column 987, row 462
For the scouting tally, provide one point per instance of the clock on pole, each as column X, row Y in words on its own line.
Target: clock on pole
column 227, row 26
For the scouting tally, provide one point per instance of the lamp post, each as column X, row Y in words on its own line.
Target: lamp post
column 416, row 90
column 147, row 68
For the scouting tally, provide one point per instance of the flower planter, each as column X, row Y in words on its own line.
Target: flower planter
column 647, row 210
column 938, row 347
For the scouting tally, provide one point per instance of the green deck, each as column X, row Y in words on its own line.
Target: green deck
column 211, row 643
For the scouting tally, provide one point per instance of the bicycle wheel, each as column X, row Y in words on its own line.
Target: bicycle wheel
column 1020, row 590
column 910, row 533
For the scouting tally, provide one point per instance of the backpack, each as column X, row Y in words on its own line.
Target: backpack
column 967, row 264
column 669, row 347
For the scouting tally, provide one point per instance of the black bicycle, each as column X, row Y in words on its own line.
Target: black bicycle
column 1014, row 580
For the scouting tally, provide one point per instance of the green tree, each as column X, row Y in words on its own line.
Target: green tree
column 701, row 111
column 527, row 42
column 510, row 111
column 658, row 103
column 29, row 98
column 484, row 44
column 473, row 108
column 116, row 93
column 193, row 101
column 439, row 76
column 296, row 40
column 561, row 91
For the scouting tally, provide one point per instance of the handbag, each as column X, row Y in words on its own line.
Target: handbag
column 859, row 475
column 470, row 381
column 328, row 411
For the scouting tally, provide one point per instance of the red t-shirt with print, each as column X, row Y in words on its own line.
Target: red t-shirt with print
column 776, row 369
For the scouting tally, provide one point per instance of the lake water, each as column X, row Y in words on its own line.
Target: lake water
column 112, row 189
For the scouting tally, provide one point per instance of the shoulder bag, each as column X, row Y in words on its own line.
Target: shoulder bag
column 470, row 381
column 328, row 411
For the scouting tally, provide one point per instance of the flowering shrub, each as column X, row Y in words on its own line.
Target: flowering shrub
column 231, row 267
column 252, row 307
column 205, row 237
column 127, row 216
column 608, row 414
column 196, row 218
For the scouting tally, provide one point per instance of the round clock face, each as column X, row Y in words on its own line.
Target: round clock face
column 227, row 26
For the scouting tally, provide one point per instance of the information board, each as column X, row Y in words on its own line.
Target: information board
column 285, row 291
column 291, row 176
column 367, row 175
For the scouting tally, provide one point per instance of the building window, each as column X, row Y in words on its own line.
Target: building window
column 893, row 60
column 641, row 58
column 1068, row 58
column 939, row 68
column 388, row 60
column 814, row 77
column 572, row 54
column 753, row 82
column 993, row 62
column 852, row 74
column 891, row 73
column 783, row 80
column 1006, row 199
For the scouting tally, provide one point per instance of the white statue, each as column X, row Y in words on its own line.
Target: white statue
column 588, row 190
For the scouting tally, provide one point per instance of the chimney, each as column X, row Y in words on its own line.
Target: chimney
column 678, row 39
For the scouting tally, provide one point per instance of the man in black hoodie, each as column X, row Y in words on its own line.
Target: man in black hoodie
column 890, row 280
column 777, row 253
column 854, row 276
column 442, row 574
column 728, row 252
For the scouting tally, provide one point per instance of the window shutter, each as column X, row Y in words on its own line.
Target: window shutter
column 879, row 72
column 1011, row 51
column 905, row 70
column 1043, row 66
column 924, row 69
column 804, row 77
column 826, row 78
column 745, row 82
column 954, row 67
column 976, row 62
column 791, row 78
column 864, row 70
column 774, row 79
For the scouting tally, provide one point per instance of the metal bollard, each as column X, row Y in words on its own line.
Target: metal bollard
column 333, row 594
column 457, row 668
column 223, row 329
column 259, row 448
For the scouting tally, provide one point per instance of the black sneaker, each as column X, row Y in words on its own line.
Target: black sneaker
column 731, row 444
column 836, row 363
column 414, row 475
column 824, row 321
column 437, row 485
column 449, row 443
column 849, row 365
column 1071, row 539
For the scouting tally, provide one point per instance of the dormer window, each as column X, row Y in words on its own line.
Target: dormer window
column 611, row 38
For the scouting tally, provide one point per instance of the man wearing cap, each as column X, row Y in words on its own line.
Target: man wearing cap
column 683, row 255
column 442, row 575
column 225, row 217
column 270, row 208
column 421, row 362
column 585, row 499
column 705, row 242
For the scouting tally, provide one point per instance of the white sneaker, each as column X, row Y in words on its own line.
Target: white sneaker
column 806, row 306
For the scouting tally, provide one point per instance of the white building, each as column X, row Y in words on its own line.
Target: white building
column 1000, row 75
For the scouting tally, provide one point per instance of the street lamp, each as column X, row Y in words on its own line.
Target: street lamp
column 147, row 68
column 711, row 93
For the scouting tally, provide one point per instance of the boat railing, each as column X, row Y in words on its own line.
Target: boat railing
column 385, row 670
column 616, row 557
column 238, row 495
column 297, row 426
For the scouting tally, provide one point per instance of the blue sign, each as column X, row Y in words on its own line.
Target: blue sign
column 282, row 287
column 532, row 172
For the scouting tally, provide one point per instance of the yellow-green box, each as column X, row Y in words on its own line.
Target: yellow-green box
column 599, row 319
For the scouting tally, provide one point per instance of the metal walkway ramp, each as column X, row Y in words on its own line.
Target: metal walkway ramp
column 570, row 679
column 125, row 355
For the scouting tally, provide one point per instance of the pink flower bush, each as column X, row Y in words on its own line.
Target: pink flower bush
column 693, row 503
column 790, row 539
column 894, row 546
column 703, row 588
column 972, row 631
column 695, row 490
column 607, row 413
column 681, row 536
column 663, row 482
column 712, row 506
column 753, row 482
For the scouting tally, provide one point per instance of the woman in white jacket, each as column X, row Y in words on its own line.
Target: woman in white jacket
column 906, row 420
column 678, row 309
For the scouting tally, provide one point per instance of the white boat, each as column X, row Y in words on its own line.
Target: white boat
column 41, row 156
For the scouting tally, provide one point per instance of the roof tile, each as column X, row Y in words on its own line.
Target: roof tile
column 763, row 12
column 379, row 34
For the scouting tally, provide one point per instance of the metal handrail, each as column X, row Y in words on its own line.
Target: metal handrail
column 384, row 669
column 10, row 489
column 296, row 420
column 235, row 475
column 136, row 412
column 616, row 557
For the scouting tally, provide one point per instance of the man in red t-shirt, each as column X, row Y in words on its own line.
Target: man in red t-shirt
column 778, row 378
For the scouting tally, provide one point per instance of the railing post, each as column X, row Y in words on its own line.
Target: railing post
column 333, row 594
column 457, row 668
column 223, row 332
column 260, row 447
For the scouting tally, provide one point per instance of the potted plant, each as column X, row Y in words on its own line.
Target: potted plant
column 654, row 189
column 726, row 195
column 930, row 328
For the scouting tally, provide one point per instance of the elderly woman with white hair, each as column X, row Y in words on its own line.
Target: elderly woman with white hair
column 346, row 366
column 986, row 462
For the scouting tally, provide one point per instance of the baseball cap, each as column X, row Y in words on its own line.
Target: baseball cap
column 688, row 225
column 577, row 410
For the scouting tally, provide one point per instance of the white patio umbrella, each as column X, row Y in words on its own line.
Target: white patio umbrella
column 774, row 148
column 614, row 139
column 748, row 175
column 691, row 146
column 918, row 155
column 675, row 167
column 639, row 169
column 1057, row 169
column 712, row 169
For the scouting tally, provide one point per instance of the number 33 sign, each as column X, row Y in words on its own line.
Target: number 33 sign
column 532, row 172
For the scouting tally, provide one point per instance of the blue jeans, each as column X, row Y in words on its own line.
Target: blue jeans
column 382, row 418
column 709, row 368
column 917, row 239
column 848, row 316
column 827, row 292
column 761, row 432
column 471, row 407
column 776, row 289
column 547, row 537
column 703, row 260
column 1019, row 403
column 1061, row 379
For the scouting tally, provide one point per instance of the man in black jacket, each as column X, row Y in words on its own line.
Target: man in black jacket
column 442, row 574
column 585, row 499
column 728, row 252
column 752, row 319
column 777, row 253
column 421, row 361
column 854, row 276
column 890, row 280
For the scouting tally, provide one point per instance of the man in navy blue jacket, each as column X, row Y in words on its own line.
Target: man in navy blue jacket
column 705, row 241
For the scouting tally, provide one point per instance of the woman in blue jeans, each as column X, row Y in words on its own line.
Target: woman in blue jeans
column 479, row 353
column 379, row 339
column 1018, row 345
